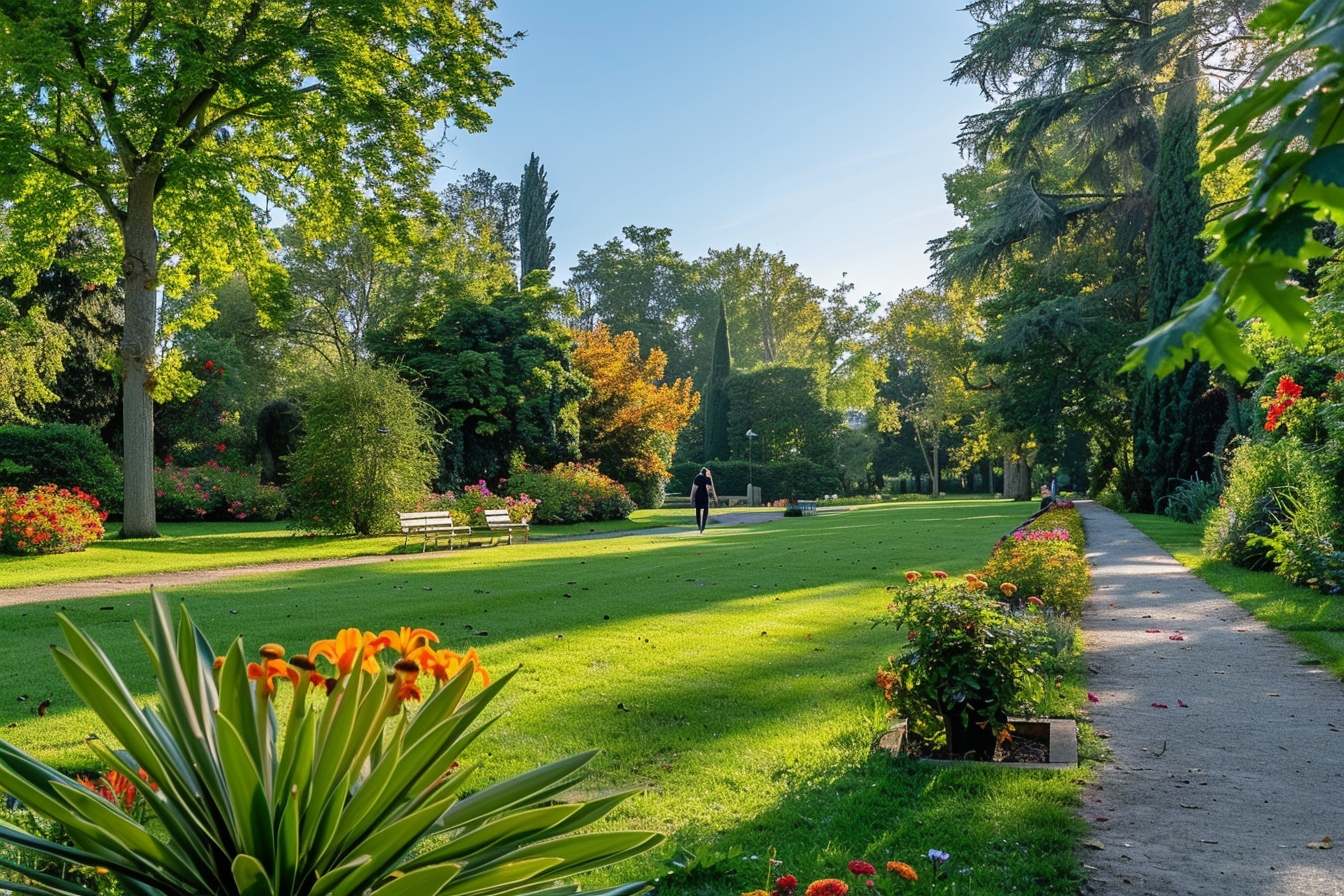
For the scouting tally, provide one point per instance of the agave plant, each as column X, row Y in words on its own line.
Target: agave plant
column 361, row 795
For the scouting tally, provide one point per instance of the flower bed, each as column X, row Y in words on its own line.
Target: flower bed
column 469, row 505
column 213, row 491
column 48, row 520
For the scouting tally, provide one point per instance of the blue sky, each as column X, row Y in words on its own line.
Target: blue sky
column 819, row 130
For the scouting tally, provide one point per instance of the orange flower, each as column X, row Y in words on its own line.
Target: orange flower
column 408, row 639
column 300, row 661
column 900, row 869
column 939, row 574
column 266, row 674
column 827, row 887
column 912, row 577
column 407, row 672
column 349, row 647
column 444, row 664
column 1008, row 589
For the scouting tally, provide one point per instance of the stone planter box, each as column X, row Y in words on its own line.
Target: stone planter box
column 1060, row 734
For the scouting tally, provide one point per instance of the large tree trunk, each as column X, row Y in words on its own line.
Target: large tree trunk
column 1016, row 476
column 140, row 268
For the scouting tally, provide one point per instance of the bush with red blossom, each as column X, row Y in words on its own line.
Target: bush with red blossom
column 48, row 520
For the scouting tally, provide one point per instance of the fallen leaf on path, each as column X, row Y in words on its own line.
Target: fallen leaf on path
column 1177, row 637
column 1101, row 818
column 1157, row 592
column 1159, row 706
column 1182, row 704
column 1321, row 844
column 1092, row 843
column 1152, row 631
column 1092, row 698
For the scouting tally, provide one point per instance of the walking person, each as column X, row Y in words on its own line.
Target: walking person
column 702, row 489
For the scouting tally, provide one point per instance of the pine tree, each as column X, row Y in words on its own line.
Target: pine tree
column 536, row 248
column 1166, row 448
column 716, row 395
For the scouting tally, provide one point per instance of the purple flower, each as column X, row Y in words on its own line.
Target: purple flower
column 938, row 857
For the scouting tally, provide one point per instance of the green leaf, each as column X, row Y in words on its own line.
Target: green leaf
column 251, row 877
column 506, row 875
column 424, row 882
column 516, row 790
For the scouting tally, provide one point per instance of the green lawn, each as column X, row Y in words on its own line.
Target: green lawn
column 1314, row 620
column 185, row 546
column 730, row 673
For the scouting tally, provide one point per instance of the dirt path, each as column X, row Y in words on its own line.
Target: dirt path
column 141, row 583
column 1221, row 791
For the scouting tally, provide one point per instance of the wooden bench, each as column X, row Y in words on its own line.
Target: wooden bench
column 436, row 523
column 500, row 521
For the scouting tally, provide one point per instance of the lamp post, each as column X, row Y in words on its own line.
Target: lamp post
column 751, row 494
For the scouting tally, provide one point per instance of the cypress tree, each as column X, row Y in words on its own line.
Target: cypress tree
column 716, row 395
column 535, row 246
column 1167, row 446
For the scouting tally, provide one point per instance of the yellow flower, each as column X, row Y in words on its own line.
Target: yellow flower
column 1008, row 589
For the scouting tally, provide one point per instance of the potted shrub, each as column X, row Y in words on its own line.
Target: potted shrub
column 967, row 660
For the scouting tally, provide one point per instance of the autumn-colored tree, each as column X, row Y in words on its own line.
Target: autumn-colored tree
column 629, row 423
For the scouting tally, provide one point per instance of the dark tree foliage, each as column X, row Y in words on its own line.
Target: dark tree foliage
column 87, row 390
column 786, row 408
column 716, row 396
column 1165, row 447
column 535, row 246
column 499, row 374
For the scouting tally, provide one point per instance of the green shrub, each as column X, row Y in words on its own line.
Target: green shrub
column 777, row 480
column 366, row 454
column 1269, row 484
column 469, row 505
column 215, row 492
column 70, row 456
column 1191, row 501
column 48, row 520
column 966, row 662
column 1050, row 569
column 572, row 493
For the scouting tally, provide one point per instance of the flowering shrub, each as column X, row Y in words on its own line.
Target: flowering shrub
column 48, row 520
column 350, row 791
column 1285, row 395
column 469, row 505
column 967, row 661
column 213, row 491
column 1051, row 569
column 572, row 493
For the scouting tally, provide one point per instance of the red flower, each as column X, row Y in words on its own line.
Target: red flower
column 912, row 577
column 221, row 448
column 787, row 882
column 209, row 365
column 858, row 867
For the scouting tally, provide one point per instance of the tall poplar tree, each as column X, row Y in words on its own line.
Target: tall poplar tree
column 716, row 394
column 536, row 248
column 1167, row 445
column 178, row 125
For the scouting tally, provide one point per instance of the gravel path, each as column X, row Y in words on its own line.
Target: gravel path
column 123, row 584
column 1221, row 791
